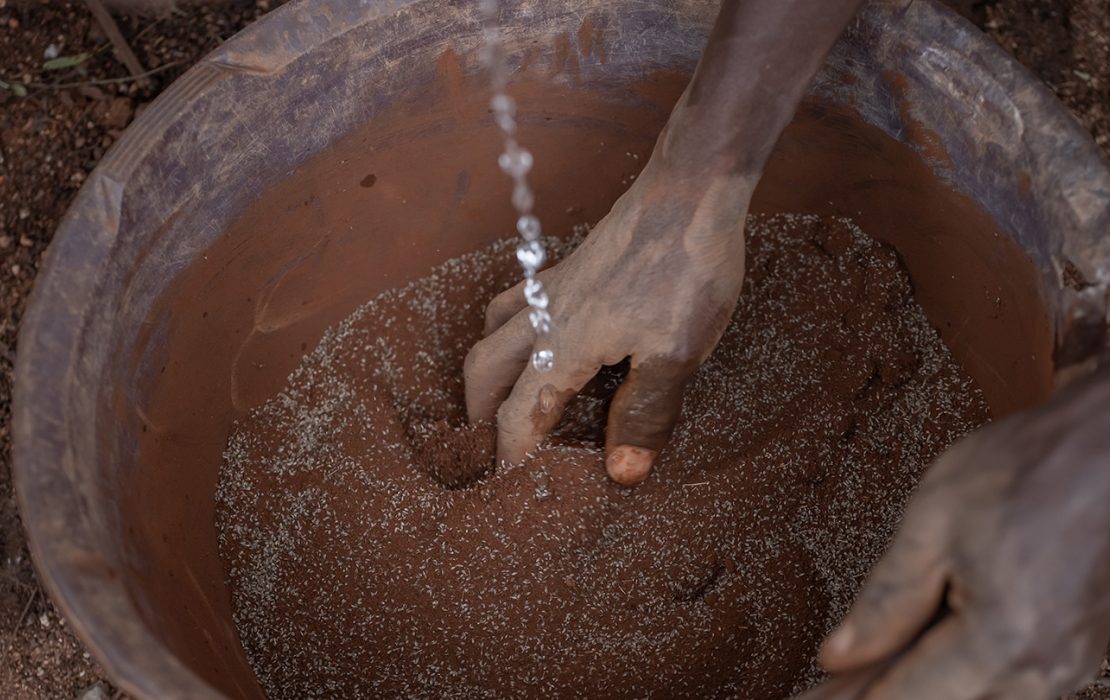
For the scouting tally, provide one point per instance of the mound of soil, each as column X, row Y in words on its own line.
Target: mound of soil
column 373, row 548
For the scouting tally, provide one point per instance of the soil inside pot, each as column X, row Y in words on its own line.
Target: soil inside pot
column 373, row 548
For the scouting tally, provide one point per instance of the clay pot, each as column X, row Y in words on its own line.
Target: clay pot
column 157, row 320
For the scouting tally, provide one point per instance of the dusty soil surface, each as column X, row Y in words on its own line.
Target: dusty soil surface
column 801, row 439
column 53, row 136
column 1067, row 44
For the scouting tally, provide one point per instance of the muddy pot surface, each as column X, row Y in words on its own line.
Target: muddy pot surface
column 193, row 272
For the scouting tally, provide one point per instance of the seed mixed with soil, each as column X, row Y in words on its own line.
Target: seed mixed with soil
column 372, row 548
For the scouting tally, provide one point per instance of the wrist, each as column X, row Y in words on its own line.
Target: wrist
column 702, row 211
column 715, row 138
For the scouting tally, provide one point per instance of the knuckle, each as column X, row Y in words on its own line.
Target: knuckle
column 499, row 307
column 477, row 360
column 509, row 423
column 683, row 354
column 687, row 355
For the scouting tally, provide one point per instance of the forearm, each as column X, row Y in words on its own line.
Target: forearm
column 760, row 59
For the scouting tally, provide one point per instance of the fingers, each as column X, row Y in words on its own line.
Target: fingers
column 900, row 597
column 642, row 417
column 493, row 365
column 537, row 402
column 848, row 686
column 944, row 664
column 510, row 302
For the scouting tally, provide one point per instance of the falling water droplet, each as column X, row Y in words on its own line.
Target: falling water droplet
column 528, row 227
column 534, row 294
column 540, row 320
column 503, row 104
column 530, row 255
column 543, row 360
column 523, row 199
column 516, row 161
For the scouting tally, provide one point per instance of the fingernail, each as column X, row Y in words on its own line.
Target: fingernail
column 547, row 398
column 841, row 640
column 628, row 465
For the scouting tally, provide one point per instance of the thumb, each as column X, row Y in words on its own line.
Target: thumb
column 900, row 597
column 642, row 417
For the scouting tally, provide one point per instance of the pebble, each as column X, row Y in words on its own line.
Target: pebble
column 96, row 691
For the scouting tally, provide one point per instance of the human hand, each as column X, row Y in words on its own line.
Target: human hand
column 655, row 281
column 998, row 582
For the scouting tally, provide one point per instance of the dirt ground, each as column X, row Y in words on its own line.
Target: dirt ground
column 65, row 98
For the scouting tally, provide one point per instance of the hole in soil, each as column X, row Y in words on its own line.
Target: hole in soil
column 456, row 457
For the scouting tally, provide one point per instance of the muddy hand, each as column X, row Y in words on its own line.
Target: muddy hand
column 656, row 281
column 996, row 585
column 658, row 278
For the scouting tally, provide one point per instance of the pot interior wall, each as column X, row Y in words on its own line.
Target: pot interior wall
column 418, row 186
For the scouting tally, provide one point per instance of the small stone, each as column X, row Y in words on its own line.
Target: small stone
column 96, row 691
column 25, row 241
column 118, row 113
column 5, row 242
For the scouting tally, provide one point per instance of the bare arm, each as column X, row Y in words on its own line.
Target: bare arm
column 759, row 61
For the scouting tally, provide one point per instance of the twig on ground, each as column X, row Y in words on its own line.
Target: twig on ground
column 26, row 609
column 105, row 81
column 123, row 49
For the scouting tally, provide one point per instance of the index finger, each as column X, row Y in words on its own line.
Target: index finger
column 536, row 404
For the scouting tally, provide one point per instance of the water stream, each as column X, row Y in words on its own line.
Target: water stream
column 516, row 162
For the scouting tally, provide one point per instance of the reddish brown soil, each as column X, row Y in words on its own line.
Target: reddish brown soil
column 374, row 550
column 52, row 138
